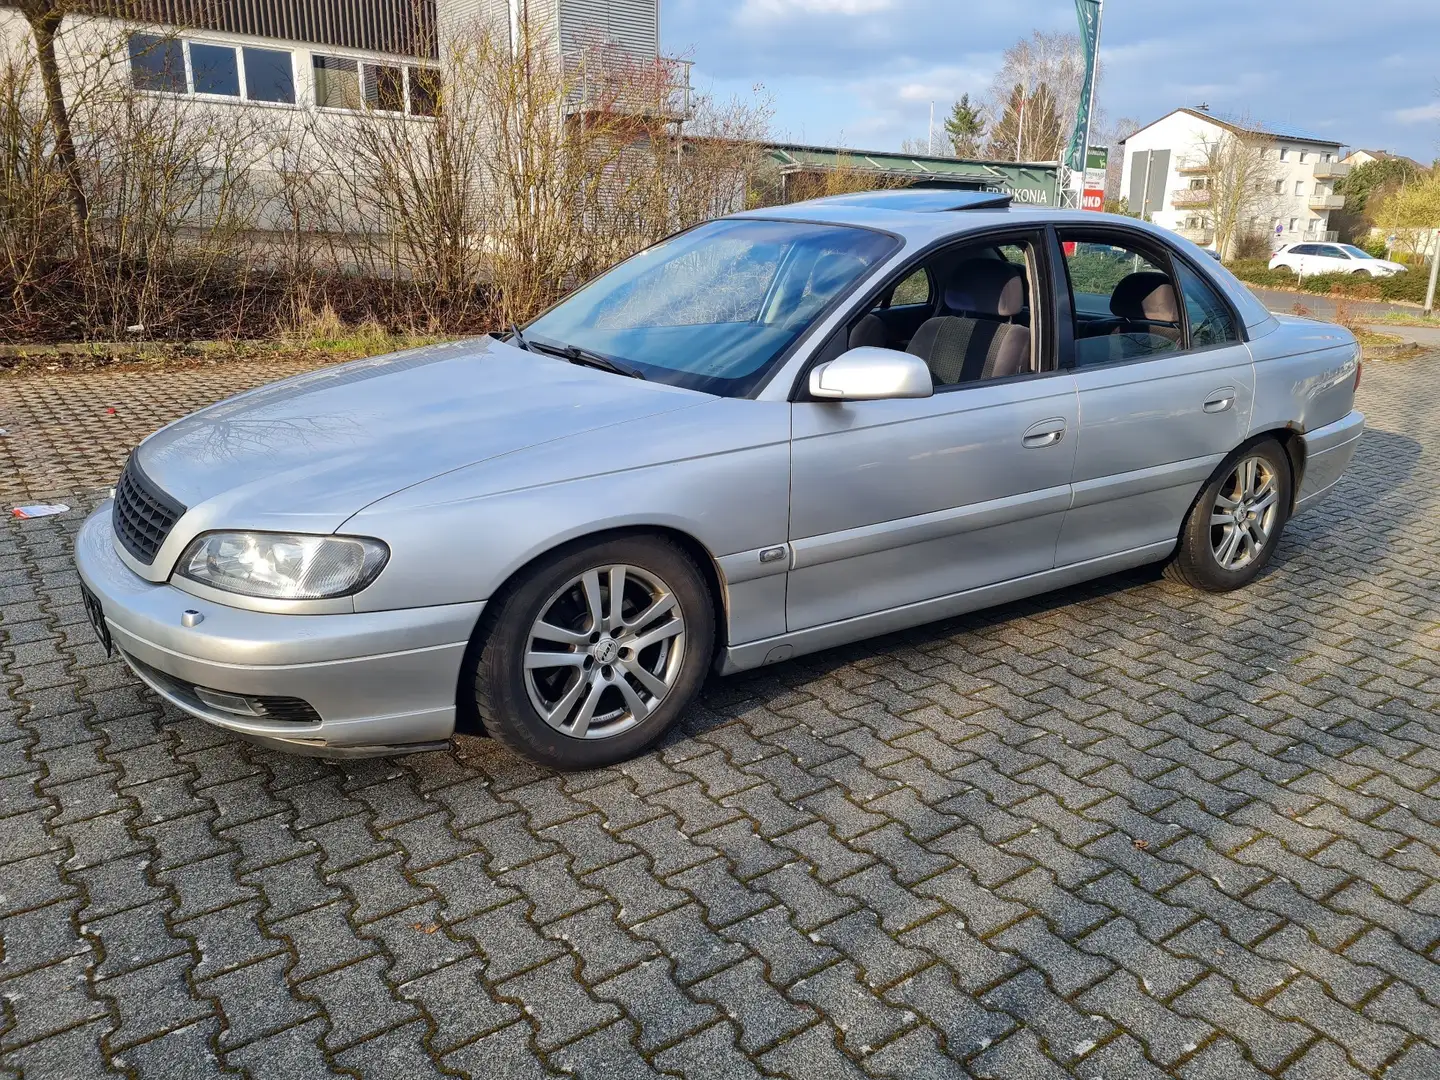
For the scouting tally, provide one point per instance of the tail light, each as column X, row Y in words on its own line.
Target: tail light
column 1359, row 370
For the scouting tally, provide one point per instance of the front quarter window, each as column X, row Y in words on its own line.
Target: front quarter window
column 714, row 308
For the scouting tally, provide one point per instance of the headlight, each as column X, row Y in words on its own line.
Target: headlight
column 279, row 566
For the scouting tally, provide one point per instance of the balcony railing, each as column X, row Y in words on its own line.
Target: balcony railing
column 1193, row 169
column 1331, row 170
column 1327, row 202
column 1189, row 198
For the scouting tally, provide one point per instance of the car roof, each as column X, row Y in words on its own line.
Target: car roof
column 922, row 216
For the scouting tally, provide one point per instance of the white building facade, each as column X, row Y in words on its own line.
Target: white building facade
column 1166, row 179
column 343, row 55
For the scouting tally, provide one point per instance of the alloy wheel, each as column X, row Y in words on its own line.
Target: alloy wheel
column 604, row 652
column 1245, row 513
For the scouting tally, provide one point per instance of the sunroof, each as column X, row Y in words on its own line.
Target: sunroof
column 922, row 200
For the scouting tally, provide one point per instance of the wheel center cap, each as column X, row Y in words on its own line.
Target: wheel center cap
column 607, row 651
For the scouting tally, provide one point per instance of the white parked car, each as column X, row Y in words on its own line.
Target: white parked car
column 1307, row 259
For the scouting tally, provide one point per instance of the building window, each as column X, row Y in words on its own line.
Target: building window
column 1303, row 156
column 345, row 83
column 269, row 75
column 1294, row 224
column 424, row 91
column 1279, row 187
column 385, row 87
column 214, row 70
column 1284, row 153
column 181, row 66
column 157, row 63
column 1326, row 158
column 337, row 82
column 1299, row 187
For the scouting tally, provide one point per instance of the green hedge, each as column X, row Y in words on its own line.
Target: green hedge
column 1407, row 286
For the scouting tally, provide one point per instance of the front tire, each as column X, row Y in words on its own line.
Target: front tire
column 1234, row 527
column 595, row 652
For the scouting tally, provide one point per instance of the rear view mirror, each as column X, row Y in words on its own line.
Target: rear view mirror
column 871, row 374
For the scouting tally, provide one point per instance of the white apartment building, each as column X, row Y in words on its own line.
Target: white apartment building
column 1165, row 177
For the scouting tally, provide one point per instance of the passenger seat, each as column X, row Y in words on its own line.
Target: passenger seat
column 979, row 339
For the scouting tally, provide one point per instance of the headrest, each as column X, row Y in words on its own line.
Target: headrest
column 1145, row 297
column 987, row 287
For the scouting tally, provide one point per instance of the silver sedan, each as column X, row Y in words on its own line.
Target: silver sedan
column 772, row 434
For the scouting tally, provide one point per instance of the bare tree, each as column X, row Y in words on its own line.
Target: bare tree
column 1239, row 169
column 45, row 18
column 1056, row 63
column 1028, row 128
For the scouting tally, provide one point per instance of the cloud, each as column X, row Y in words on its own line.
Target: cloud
column 1419, row 114
column 868, row 68
column 767, row 11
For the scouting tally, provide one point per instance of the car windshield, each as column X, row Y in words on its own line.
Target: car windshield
column 1355, row 252
column 714, row 308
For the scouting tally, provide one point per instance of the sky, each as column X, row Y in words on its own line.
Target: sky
column 862, row 73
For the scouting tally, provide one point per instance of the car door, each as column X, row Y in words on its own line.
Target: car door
column 1161, row 403
column 897, row 502
column 1295, row 257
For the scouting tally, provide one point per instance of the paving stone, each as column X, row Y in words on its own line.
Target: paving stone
column 257, row 1001
column 358, row 1001
column 762, row 1014
column 651, row 998
column 967, row 1027
column 1210, row 822
column 1268, row 1040
column 508, row 1053
column 1166, row 1036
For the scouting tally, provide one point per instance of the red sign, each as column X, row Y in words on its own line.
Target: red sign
column 1093, row 199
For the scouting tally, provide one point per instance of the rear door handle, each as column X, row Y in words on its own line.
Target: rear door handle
column 1220, row 400
column 1045, row 433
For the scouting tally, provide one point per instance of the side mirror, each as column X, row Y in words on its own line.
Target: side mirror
column 871, row 374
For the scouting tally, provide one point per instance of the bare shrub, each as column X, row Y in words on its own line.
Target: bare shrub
column 536, row 171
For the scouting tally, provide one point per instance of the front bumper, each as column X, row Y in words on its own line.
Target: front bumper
column 381, row 682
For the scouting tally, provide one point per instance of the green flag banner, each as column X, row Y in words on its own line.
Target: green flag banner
column 1089, row 13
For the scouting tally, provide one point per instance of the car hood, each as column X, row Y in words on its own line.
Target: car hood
column 308, row 452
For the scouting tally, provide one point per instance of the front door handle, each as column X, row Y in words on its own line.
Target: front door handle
column 1220, row 400
column 1045, row 433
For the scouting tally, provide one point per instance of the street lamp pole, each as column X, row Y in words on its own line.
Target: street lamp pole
column 1434, row 273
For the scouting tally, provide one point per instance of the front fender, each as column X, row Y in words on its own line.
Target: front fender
column 720, row 475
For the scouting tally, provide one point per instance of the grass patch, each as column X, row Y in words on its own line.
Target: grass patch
column 1398, row 318
column 1369, row 339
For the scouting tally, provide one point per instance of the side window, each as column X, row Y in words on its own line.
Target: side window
column 968, row 312
column 1209, row 320
column 915, row 289
column 1125, row 306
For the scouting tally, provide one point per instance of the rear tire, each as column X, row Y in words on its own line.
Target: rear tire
column 1234, row 527
column 571, row 679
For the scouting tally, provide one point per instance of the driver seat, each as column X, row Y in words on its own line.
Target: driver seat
column 981, row 339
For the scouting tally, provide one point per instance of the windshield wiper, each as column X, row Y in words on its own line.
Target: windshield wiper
column 519, row 338
column 589, row 358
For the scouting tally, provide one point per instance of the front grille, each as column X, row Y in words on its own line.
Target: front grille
column 292, row 710
column 143, row 514
column 287, row 710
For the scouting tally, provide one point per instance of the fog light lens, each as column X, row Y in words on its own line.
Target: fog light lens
column 231, row 703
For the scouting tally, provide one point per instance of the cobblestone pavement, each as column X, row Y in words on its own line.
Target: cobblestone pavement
column 1126, row 831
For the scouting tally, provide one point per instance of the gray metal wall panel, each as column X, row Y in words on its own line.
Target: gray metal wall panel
column 394, row 26
column 1159, row 173
column 634, row 25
